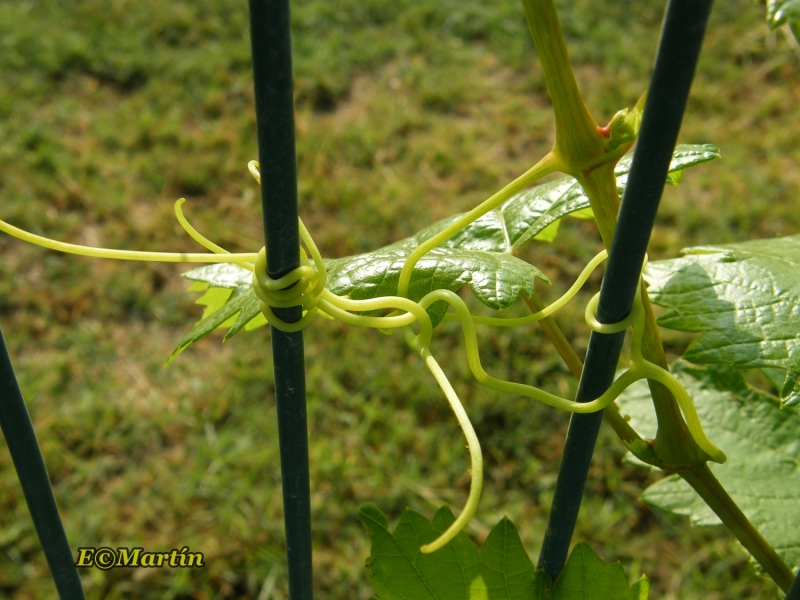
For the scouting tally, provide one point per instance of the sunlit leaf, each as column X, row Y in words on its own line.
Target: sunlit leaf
column 744, row 299
column 525, row 215
column 481, row 254
column 229, row 300
column 496, row 278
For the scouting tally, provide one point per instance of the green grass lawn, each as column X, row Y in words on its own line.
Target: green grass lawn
column 406, row 112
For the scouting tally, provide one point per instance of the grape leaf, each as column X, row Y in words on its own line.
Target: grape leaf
column 496, row 278
column 586, row 576
column 238, row 309
column 762, row 473
column 480, row 256
column 528, row 214
column 784, row 11
column 499, row 570
column 744, row 298
column 398, row 570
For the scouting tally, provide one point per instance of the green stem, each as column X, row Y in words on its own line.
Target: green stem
column 674, row 442
column 578, row 142
column 600, row 185
column 711, row 491
column 580, row 147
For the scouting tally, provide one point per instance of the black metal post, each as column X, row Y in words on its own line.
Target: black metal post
column 794, row 592
column 681, row 38
column 27, row 457
column 274, row 95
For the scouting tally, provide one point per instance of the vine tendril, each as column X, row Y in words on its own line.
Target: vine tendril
column 549, row 164
column 181, row 257
column 201, row 239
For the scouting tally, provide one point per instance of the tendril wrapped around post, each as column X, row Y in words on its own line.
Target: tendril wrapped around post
column 306, row 287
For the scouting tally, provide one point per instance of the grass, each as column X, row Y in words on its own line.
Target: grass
column 407, row 112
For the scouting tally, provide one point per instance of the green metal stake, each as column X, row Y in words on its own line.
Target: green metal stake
column 681, row 38
column 794, row 592
column 272, row 74
column 27, row 457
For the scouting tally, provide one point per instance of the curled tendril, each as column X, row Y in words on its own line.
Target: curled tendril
column 311, row 294
column 182, row 257
column 306, row 287
column 549, row 164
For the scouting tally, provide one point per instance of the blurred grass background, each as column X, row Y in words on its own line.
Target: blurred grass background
column 407, row 112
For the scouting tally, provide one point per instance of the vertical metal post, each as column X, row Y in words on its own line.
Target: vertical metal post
column 274, row 95
column 681, row 38
column 29, row 464
column 794, row 592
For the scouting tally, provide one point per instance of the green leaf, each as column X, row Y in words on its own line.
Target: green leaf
column 784, row 11
column 527, row 214
column 586, row 576
column 743, row 298
column 481, row 254
column 762, row 473
column 230, row 302
column 500, row 570
column 496, row 278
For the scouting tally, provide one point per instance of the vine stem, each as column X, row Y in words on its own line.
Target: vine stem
column 674, row 443
column 711, row 491
column 682, row 35
column 578, row 143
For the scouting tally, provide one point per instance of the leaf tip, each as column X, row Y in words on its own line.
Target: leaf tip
column 174, row 355
column 443, row 518
column 373, row 518
column 641, row 589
